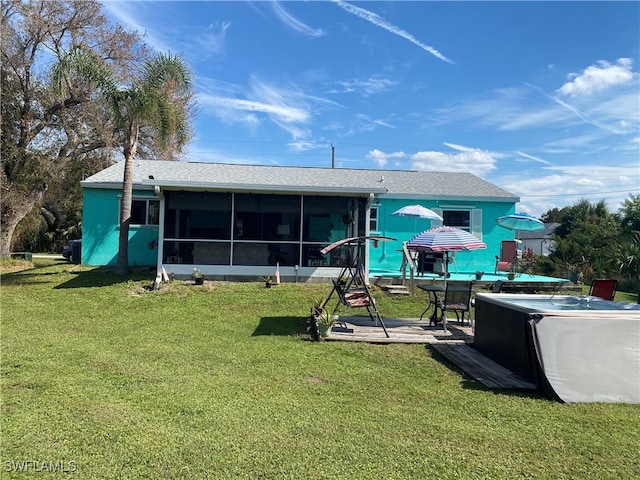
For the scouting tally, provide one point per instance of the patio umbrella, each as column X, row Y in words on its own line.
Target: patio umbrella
column 445, row 240
column 416, row 212
column 520, row 222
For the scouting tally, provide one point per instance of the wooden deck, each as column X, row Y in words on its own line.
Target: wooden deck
column 453, row 345
column 482, row 369
column 401, row 330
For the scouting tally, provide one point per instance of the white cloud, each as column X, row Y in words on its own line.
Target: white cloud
column 287, row 107
column 201, row 45
column 378, row 21
column 381, row 159
column 504, row 108
column 294, row 23
column 303, row 146
column 463, row 159
column 366, row 119
column 566, row 184
column 127, row 14
column 534, row 158
column 614, row 112
column 597, row 78
column 371, row 86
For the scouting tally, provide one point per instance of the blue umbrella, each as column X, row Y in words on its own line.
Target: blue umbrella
column 520, row 222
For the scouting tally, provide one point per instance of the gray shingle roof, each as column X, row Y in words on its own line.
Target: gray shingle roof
column 391, row 183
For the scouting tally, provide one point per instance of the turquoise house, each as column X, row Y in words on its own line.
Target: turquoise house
column 238, row 222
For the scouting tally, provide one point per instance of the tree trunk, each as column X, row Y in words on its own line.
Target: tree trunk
column 13, row 212
column 6, row 233
column 122, row 263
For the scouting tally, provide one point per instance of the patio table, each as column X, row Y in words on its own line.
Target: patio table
column 434, row 300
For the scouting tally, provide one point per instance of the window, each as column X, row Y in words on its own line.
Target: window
column 145, row 212
column 469, row 219
column 457, row 218
column 198, row 215
column 373, row 218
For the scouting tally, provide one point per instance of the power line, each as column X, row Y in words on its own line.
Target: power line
column 581, row 194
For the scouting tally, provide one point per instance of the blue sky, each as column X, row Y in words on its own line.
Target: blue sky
column 540, row 98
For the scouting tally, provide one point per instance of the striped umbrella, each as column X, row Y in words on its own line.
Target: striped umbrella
column 445, row 239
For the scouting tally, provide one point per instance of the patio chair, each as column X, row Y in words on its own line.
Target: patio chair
column 604, row 288
column 506, row 262
column 457, row 298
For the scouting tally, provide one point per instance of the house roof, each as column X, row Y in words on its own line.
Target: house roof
column 265, row 178
column 549, row 230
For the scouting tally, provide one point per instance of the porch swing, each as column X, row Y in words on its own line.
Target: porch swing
column 351, row 285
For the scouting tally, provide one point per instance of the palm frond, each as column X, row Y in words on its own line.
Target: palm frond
column 86, row 64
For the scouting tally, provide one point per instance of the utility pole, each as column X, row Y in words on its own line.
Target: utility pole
column 333, row 156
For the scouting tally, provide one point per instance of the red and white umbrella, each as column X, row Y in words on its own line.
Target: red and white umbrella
column 445, row 239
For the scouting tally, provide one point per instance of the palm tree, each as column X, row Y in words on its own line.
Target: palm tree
column 158, row 99
column 626, row 257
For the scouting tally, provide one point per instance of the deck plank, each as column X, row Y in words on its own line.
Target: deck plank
column 481, row 368
column 453, row 345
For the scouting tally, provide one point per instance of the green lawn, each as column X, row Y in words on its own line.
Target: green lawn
column 104, row 377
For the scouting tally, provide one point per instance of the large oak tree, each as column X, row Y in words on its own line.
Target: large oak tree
column 49, row 141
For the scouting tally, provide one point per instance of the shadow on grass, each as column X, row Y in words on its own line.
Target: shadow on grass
column 45, row 271
column 104, row 277
column 284, row 326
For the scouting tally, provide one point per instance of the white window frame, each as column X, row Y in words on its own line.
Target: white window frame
column 374, row 221
column 147, row 200
column 475, row 218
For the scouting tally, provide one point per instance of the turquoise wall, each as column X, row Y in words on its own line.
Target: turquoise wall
column 100, row 231
column 388, row 256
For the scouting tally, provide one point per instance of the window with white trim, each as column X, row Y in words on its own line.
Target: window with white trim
column 469, row 220
column 145, row 212
column 457, row 218
column 374, row 218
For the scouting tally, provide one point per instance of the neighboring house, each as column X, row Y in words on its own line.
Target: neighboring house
column 240, row 221
column 539, row 242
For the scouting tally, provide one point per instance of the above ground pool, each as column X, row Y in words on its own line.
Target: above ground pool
column 576, row 348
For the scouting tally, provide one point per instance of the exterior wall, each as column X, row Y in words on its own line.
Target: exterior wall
column 100, row 230
column 100, row 237
column 388, row 256
column 540, row 246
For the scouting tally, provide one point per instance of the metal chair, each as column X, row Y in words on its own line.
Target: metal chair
column 604, row 288
column 457, row 298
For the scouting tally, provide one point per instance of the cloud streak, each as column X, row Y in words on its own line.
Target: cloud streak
column 295, row 24
column 378, row 21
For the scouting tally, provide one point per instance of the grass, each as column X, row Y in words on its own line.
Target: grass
column 115, row 381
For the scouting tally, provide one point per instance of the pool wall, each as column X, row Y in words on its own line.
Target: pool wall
column 573, row 348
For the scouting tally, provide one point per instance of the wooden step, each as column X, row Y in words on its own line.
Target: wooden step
column 396, row 289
